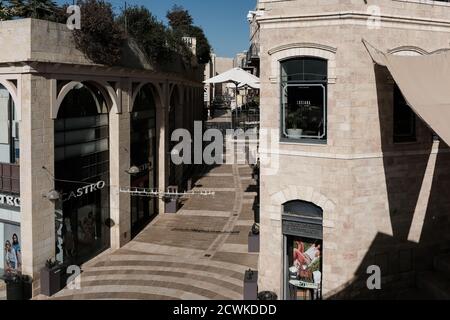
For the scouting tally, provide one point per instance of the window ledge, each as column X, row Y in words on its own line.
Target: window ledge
column 303, row 142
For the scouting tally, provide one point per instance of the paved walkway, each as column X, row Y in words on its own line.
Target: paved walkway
column 199, row 253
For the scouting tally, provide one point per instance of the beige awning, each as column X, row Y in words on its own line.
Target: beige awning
column 424, row 82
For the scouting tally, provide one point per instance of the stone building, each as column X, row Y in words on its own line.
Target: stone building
column 74, row 134
column 353, row 179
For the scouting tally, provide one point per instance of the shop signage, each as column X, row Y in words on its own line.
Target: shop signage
column 9, row 200
column 84, row 191
column 299, row 229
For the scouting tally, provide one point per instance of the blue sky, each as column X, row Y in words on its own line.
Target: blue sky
column 224, row 21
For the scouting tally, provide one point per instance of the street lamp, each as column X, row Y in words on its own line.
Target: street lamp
column 53, row 195
column 133, row 170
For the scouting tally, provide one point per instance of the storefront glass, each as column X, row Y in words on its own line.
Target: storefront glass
column 304, row 92
column 303, row 234
column 143, row 151
column 11, row 253
column 305, row 268
column 82, row 176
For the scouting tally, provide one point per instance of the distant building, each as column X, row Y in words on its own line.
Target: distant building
column 216, row 66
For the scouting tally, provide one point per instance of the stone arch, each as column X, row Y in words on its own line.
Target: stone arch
column 177, row 90
column 290, row 51
column 14, row 92
column 308, row 194
column 156, row 91
column 408, row 51
column 107, row 91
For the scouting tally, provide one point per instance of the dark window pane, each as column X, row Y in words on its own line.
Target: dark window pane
column 304, row 112
column 404, row 119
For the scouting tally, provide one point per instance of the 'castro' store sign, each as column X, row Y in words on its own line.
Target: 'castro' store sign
column 84, row 191
column 9, row 201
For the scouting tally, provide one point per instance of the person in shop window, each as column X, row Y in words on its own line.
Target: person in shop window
column 304, row 258
column 10, row 257
column 17, row 250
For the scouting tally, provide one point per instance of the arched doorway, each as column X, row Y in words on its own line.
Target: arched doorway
column 82, row 175
column 143, row 156
column 303, row 236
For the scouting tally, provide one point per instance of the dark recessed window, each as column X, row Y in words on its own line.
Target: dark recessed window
column 304, row 106
column 404, row 119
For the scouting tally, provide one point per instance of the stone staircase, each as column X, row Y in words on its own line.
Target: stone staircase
column 436, row 283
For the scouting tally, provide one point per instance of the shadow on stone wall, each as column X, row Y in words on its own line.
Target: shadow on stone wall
column 399, row 259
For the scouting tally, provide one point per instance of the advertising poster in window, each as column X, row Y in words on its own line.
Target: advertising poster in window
column 305, row 269
column 11, row 259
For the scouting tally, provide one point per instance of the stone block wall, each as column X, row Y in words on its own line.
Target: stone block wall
column 388, row 201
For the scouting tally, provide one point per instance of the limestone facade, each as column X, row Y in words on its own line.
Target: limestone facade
column 384, row 203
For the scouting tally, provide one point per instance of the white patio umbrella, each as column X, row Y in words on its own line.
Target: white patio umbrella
column 253, row 85
column 235, row 76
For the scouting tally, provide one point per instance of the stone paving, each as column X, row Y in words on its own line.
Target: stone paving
column 199, row 253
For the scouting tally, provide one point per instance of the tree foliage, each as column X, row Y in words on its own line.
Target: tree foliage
column 5, row 12
column 102, row 35
column 179, row 17
column 100, row 38
column 182, row 23
column 149, row 33
column 38, row 9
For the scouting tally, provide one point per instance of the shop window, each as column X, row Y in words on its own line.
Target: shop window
column 303, row 234
column 304, row 99
column 82, row 175
column 404, row 119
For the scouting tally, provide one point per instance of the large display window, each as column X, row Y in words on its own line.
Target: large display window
column 82, row 176
column 143, row 151
column 11, row 254
column 304, row 99
column 303, row 250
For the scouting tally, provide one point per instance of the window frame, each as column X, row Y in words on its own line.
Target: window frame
column 284, row 84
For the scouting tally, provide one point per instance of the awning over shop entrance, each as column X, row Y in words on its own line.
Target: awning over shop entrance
column 424, row 82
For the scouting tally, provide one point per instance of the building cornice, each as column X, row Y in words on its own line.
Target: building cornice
column 350, row 18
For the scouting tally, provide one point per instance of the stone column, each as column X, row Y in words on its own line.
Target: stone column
column 162, row 128
column 119, row 131
column 36, row 152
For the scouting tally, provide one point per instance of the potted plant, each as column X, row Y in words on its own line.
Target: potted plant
column 50, row 278
column 295, row 125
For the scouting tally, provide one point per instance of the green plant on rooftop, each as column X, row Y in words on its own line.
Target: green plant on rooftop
column 101, row 39
column 38, row 9
column 181, row 23
column 150, row 34
column 5, row 12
